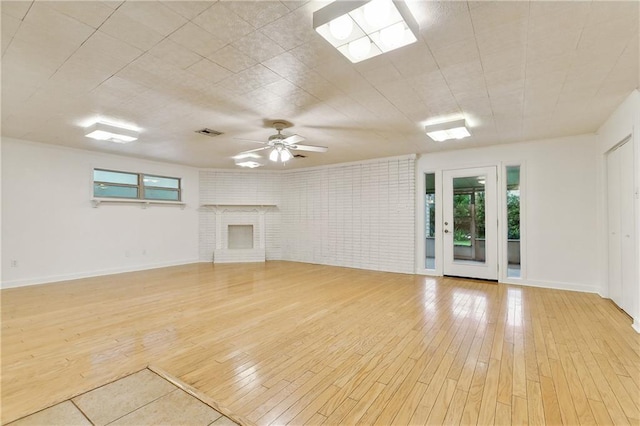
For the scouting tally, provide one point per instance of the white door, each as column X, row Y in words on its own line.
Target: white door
column 621, row 227
column 613, row 213
column 470, row 223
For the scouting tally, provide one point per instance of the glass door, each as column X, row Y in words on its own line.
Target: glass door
column 470, row 228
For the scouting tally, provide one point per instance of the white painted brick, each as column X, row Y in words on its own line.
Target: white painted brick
column 359, row 215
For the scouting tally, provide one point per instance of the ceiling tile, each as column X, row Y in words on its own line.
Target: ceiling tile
column 510, row 36
column 553, row 44
column 413, row 60
column 196, row 39
column 9, row 27
column 506, row 91
column 510, row 75
column 232, row 59
column 248, row 80
column 155, row 15
column 260, row 96
column 285, row 65
column 209, row 70
column 174, row 54
column 188, row 9
column 258, row 13
column 315, row 51
column 92, row 13
column 124, row 28
column 59, row 27
column 566, row 15
column 299, row 29
column 609, row 11
column 258, row 46
column 447, row 29
column 223, row 23
column 382, row 75
column 495, row 14
column 497, row 61
column 615, row 32
column 549, row 64
column 430, row 85
column 16, row 9
column 457, row 53
column 102, row 50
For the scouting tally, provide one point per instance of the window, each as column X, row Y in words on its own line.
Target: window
column 137, row 186
column 513, row 221
column 430, row 221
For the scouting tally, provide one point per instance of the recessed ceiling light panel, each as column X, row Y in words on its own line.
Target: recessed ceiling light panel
column 363, row 29
column 108, row 132
column 449, row 130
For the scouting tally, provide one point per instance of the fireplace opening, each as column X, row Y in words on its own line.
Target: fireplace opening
column 240, row 237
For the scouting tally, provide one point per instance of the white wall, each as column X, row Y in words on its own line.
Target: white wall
column 624, row 121
column 50, row 228
column 358, row 215
column 558, row 208
column 250, row 187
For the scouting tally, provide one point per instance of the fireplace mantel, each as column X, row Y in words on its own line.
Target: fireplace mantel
column 235, row 214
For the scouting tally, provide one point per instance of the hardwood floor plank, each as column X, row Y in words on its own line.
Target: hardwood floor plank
column 519, row 411
column 535, row 405
column 280, row 342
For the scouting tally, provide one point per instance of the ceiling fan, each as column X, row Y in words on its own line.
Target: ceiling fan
column 280, row 146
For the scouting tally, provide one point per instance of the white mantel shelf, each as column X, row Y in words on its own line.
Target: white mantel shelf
column 237, row 205
column 96, row 202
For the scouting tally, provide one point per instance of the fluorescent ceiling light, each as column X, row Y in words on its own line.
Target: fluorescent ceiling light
column 109, row 132
column 248, row 163
column 246, row 155
column 363, row 29
column 450, row 130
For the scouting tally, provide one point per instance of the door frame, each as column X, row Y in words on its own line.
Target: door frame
column 420, row 267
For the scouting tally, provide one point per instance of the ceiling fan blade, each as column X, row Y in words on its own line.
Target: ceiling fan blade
column 309, row 148
column 252, row 150
column 250, row 140
column 293, row 139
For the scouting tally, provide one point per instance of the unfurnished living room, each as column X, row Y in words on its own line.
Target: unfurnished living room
column 320, row 212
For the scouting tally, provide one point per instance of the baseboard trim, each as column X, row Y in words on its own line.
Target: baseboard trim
column 552, row 285
column 89, row 274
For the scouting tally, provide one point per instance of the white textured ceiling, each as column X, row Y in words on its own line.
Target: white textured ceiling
column 515, row 70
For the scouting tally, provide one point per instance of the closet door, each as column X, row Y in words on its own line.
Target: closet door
column 613, row 204
column 621, row 227
column 627, row 230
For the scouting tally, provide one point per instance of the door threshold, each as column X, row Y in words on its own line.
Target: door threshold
column 472, row 278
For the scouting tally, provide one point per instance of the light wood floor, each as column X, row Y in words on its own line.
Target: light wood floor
column 295, row 343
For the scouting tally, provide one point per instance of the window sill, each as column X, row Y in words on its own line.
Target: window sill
column 96, row 202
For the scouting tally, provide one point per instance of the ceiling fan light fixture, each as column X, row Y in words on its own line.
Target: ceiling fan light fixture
column 441, row 132
column 362, row 29
column 274, row 155
column 285, row 155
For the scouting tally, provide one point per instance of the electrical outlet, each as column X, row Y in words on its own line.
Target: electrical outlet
column 14, row 263
column 127, row 253
column 144, row 252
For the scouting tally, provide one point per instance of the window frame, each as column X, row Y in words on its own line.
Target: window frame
column 140, row 186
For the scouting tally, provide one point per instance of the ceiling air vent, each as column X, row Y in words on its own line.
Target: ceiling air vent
column 209, row 132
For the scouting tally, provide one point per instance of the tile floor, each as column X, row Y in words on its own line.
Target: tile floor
column 143, row 398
